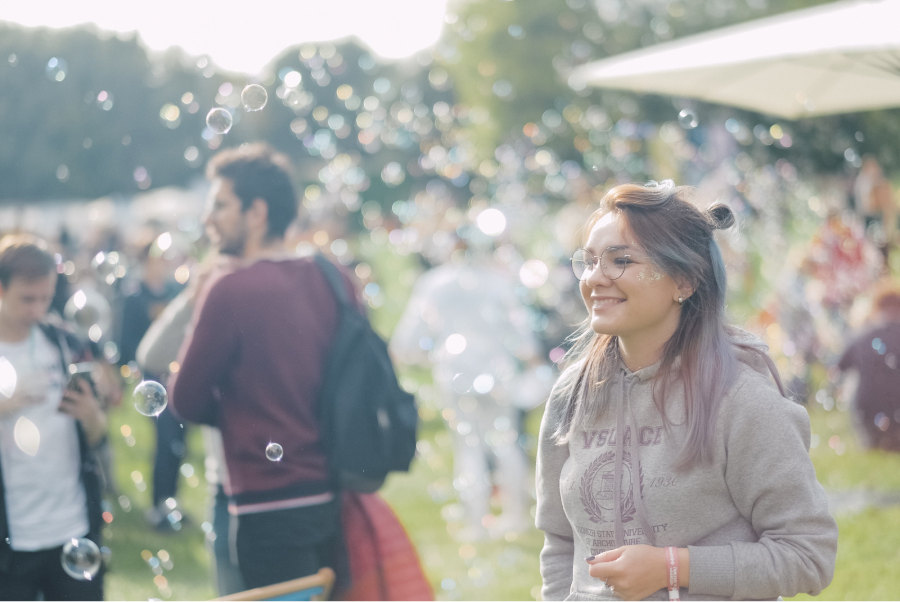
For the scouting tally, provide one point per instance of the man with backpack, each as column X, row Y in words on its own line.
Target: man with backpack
column 255, row 366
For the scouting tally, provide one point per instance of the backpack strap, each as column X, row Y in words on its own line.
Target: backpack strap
column 334, row 280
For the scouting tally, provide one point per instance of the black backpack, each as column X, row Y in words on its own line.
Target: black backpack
column 367, row 422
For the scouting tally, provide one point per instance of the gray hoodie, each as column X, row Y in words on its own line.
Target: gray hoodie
column 755, row 521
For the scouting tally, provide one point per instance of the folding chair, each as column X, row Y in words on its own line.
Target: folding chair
column 311, row 587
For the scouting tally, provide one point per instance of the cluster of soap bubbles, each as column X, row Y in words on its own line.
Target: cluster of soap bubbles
column 109, row 266
column 159, row 563
column 254, row 97
column 56, row 69
column 150, row 398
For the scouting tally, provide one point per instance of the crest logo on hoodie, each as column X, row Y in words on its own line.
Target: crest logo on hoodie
column 598, row 489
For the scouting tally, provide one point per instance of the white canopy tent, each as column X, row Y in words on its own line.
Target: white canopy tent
column 837, row 58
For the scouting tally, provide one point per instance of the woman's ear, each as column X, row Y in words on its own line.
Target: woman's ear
column 685, row 290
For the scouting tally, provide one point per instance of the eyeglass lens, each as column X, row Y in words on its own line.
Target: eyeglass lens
column 612, row 261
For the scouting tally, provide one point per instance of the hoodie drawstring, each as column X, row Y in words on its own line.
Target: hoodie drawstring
column 617, row 474
column 637, row 496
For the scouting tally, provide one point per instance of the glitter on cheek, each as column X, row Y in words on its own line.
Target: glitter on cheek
column 650, row 274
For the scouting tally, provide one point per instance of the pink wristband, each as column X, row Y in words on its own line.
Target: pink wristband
column 672, row 569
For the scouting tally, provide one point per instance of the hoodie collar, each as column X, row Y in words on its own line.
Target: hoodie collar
column 645, row 374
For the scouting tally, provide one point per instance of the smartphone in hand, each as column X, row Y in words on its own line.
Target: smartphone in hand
column 81, row 370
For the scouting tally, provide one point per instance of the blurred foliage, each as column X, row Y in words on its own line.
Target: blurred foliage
column 104, row 128
column 112, row 110
column 85, row 133
column 512, row 59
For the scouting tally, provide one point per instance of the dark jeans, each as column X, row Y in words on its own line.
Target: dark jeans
column 228, row 576
column 34, row 574
column 286, row 544
column 170, row 452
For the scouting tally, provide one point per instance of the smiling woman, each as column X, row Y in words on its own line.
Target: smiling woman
column 668, row 457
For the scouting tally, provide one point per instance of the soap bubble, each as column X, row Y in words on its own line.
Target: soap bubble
column 534, row 273
column 88, row 310
column 27, row 436
column 492, row 222
column 292, row 79
column 108, row 266
column 8, row 378
column 688, row 119
column 483, row 383
column 81, row 559
column 455, row 343
column 106, row 555
column 254, row 97
column 462, row 383
column 274, row 452
column 150, row 398
column 219, row 120
column 56, row 69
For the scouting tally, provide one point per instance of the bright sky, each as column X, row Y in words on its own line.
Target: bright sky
column 244, row 36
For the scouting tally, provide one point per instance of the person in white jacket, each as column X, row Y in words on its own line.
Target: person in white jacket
column 465, row 320
column 669, row 458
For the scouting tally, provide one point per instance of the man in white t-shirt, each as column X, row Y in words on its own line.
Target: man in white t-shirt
column 49, row 486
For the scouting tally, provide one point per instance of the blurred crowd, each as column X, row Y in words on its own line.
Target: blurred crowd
column 476, row 299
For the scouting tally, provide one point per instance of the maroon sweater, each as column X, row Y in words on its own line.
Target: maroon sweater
column 253, row 368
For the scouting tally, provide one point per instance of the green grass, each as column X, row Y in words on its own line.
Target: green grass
column 868, row 542
column 868, row 557
column 426, row 503
column 130, row 576
column 853, row 467
column 423, row 499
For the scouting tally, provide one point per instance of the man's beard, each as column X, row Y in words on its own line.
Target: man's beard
column 234, row 245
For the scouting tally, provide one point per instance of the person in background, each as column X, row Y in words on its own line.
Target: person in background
column 49, row 477
column 155, row 354
column 465, row 319
column 875, row 200
column 253, row 366
column 155, row 289
column 875, row 356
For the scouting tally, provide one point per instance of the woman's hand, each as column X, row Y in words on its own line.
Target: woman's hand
column 635, row 572
column 81, row 405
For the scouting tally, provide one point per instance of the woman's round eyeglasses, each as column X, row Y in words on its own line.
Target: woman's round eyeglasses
column 612, row 262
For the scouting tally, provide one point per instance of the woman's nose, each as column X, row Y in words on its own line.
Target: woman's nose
column 596, row 277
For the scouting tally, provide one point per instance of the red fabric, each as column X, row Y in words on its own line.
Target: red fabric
column 383, row 561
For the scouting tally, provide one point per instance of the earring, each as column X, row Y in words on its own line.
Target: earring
column 680, row 300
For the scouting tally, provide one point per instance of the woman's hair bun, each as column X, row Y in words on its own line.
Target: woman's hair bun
column 720, row 217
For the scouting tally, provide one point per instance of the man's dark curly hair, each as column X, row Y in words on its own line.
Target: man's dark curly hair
column 257, row 171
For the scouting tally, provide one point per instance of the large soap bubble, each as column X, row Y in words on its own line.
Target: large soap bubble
column 150, row 398
column 219, row 120
column 274, row 452
column 81, row 559
column 688, row 119
column 89, row 312
column 254, row 97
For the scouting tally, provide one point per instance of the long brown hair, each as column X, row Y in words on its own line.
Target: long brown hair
column 702, row 354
